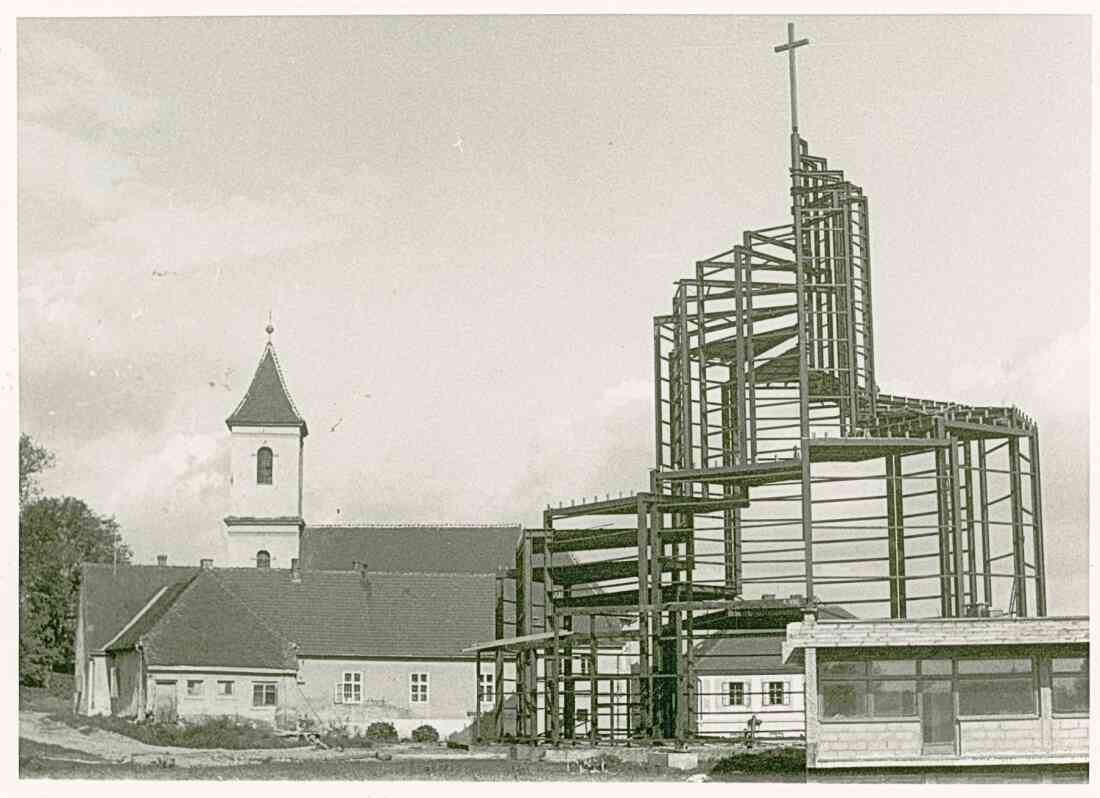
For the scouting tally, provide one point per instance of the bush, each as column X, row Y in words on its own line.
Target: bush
column 766, row 760
column 382, row 731
column 425, row 734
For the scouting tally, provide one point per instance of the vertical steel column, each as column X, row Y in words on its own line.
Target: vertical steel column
column 803, row 372
column 956, row 529
column 498, row 664
column 477, row 696
column 684, row 355
column 593, row 682
column 550, row 667
column 983, row 507
column 1016, row 498
column 971, row 554
column 523, row 627
column 1037, row 525
column 896, row 536
column 657, row 691
column 569, row 712
column 645, row 678
column 943, row 511
column 658, row 404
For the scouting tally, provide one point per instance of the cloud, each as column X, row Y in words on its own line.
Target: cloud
column 62, row 79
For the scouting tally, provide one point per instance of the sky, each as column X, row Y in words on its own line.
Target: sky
column 462, row 227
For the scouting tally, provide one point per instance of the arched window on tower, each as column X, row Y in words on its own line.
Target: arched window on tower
column 264, row 466
column 263, row 559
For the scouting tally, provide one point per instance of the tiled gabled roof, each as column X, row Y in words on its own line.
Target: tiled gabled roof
column 112, row 595
column 208, row 625
column 411, row 549
column 267, row 401
column 250, row 617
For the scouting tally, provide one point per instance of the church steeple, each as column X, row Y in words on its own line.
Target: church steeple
column 267, row 402
column 266, row 457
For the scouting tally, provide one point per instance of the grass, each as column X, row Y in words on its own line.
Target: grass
column 371, row 770
column 214, row 733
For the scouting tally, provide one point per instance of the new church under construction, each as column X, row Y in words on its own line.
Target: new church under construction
column 785, row 481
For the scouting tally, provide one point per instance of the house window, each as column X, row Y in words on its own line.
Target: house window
column 264, row 466
column 194, row 688
column 734, row 694
column 263, row 559
column 779, row 693
column 1070, row 684
column 263, row 694
column 1004, row 686
column 225, row 689
column 418, row 688
column 112, row 682
column 485, row 688
column 349, row 690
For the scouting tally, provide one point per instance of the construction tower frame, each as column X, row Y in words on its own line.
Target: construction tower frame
column 779, row 464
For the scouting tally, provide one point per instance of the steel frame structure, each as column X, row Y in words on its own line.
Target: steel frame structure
column 779, row 463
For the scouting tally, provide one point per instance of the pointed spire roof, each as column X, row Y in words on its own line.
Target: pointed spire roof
column 267, row 402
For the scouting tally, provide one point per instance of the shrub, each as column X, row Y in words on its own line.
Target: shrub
column 425, row 734
column 382, row 731
column 768, row 760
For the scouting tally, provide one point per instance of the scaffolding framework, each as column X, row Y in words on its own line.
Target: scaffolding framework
column 779, row 465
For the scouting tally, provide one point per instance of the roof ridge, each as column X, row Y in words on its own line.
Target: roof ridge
column 282, row 380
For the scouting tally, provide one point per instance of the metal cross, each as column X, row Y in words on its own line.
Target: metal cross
column 789, row 48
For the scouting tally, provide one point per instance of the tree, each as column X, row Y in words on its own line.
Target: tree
column 33, row 459
column 56, row 535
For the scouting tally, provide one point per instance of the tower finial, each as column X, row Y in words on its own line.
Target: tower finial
column 789, row 48
column 270, row 327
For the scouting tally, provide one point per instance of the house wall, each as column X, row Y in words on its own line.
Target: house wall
column 125, row 668
column 718, row 718
column 95, row 693
column 281, row 497
column 281, row 542
column 386, row 693
column 209, row 704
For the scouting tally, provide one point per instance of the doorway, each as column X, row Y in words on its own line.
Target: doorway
column 164, row 701
column 937, row 717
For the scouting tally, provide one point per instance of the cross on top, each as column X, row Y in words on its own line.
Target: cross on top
column 789, row 47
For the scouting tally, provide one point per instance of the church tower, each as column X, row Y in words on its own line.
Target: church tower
column 265, row 485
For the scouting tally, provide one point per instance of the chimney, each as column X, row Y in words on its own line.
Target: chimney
column 206, row 565
column 295, row 571
column 162, row 559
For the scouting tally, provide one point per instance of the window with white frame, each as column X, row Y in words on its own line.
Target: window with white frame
column 418, row 688
column 225, row 688
column 485, row 688
column 778, row 694
column 349, row 690
column 264, row 694
column 112, row 682
column 734, row 694
column 194, row 688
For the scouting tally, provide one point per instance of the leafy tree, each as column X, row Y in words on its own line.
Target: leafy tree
column 33, row 459
column 55, row 536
